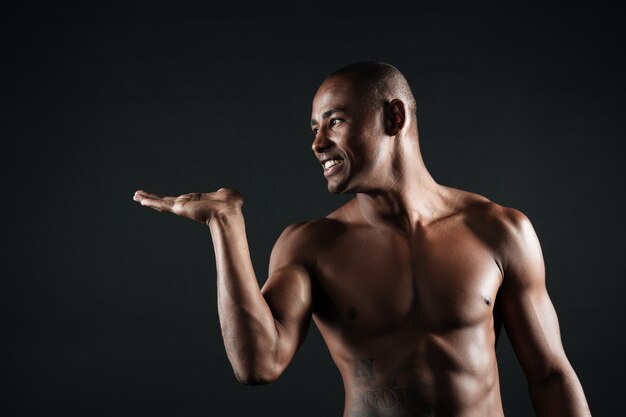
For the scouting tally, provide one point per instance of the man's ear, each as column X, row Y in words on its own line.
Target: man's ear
column 395, row 117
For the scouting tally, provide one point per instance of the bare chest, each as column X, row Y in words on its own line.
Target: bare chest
column 372, row 283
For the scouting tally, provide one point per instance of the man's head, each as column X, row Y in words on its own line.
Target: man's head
column 359, row 114
column 380, row 83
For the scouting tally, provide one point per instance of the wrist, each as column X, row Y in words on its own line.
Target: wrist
column 224, row 218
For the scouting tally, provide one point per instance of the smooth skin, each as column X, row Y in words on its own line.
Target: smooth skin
column 409, row 282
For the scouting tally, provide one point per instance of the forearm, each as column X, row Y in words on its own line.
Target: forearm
column 246, row 321
column 560, row 394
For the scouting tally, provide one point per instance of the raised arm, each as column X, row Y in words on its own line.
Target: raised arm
column 532, row 326
column 262, row 329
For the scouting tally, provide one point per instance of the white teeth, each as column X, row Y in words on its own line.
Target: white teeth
column 331, row 162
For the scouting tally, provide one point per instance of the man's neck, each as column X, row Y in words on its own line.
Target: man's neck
column 412, row 201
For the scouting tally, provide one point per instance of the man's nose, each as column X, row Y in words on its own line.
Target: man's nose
column 321, row 142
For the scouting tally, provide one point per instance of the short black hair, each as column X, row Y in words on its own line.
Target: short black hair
column 383, row 82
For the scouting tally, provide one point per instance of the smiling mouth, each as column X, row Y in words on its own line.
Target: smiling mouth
column 331, row 162
column 332, row 165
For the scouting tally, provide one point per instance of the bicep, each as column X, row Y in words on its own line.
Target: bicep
column 288, row 294
column 528, row 314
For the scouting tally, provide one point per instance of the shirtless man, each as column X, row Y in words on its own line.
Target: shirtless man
column 409, row 282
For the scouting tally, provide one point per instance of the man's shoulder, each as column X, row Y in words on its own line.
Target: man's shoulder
column 499, row 226
column 307, row 234
column 300, row 242
column 484, row 212
column 335, row 222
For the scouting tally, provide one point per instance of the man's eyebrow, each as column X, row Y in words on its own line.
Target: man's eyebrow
column 329, row 113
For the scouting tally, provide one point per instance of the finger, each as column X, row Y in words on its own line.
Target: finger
column 141, row 195
column 159, row 204
column 147, row 194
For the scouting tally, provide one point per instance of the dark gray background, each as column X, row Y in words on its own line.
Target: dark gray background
column 108, row 308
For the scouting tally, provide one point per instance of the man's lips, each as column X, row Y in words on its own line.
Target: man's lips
column 329, row 162
column 331, row 166
column 323, row 160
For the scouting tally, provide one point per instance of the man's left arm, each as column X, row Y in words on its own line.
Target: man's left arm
column 532, row 326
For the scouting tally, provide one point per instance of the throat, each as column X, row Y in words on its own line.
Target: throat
column 409, row 211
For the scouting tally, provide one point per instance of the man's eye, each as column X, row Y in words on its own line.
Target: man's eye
column 335, row 122
column 315, row 130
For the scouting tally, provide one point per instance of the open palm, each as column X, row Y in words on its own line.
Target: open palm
column 201, row 207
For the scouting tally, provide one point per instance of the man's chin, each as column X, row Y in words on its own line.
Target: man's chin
column 338, row 188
